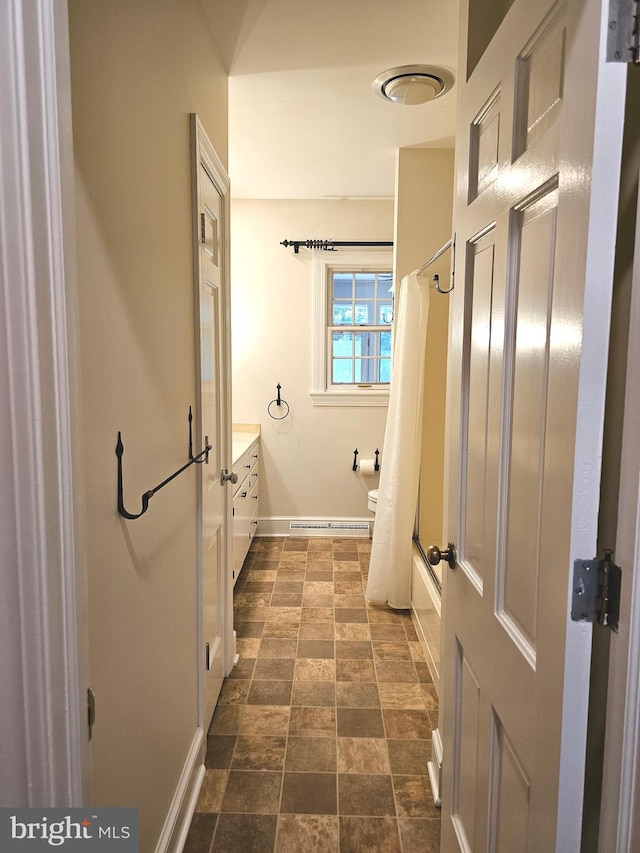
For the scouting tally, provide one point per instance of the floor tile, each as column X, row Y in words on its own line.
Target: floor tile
column 395, row 670
column 419, row 836
column 352, row 631
column 279, row 599
column 270, row 648
column 314, row 693
column 424, row 676
column 309, row 793
column 289, row 587
column 227, row 720
column 369, row 835
column 365, row 794
column 389, row 632
column 313, row 833
column 349, row 614
column 282, row 630
column 413, row 797
column 312, row 722
column 383, row 650
column 317, row 599
column 359, row 722
column 259, row 753
column 316, row 631
column 270, row 693
column 219, row 751
column 409, row 757
column 265, row 720
column 363, row 755
column 319, row 587
column 200, row 833
column 355, row 670
column 316, row 649
column 249, row 833
column 406, row 725
column 315, row 754
column 323, row 729
column 317, row 614
column 283, row 614
column 308, row 669
column 252, row 792
column 356, row 694
column 249, row 629
column 258, row 586
column 248, row 647
column 321, row 575
column 353, row 649
column 212, row 791
column 234, row 692
column 401, row 695
column 274, row 669
column 244, row 668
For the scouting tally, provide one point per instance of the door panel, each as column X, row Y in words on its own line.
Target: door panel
column 211, row 389
column 533, row 239
column 514, row 687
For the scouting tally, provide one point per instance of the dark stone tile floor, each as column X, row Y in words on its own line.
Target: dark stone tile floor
column 321, row 736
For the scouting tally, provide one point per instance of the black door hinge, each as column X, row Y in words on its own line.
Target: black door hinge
column 91, row 710
column 596, row 591
column 203, row 228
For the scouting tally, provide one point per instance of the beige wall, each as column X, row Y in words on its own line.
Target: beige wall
column 306, row 460
column 138, row 70
column 423, row 224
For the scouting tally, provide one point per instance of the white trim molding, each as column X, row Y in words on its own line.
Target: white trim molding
column 321, row 394
column 176, row 826
column 43, row 710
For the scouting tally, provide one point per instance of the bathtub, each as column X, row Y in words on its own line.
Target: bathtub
column 425, row 609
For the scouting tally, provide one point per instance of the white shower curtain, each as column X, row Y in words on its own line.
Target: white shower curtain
column 391, row 551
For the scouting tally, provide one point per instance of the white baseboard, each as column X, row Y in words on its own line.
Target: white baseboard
column 178, row 820
column 279, row 526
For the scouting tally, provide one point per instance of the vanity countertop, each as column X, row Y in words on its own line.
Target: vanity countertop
column 243, row 436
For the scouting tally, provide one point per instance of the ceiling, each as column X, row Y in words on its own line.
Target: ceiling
column 303, row 119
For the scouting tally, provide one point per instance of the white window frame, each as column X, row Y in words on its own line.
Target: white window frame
column 322, row 392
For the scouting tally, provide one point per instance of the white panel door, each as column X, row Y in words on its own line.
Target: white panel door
column 213, row 309
column 539, row 132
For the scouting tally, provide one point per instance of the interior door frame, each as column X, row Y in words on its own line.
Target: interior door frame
column 620, row 811
column 204, row 152
column 42, row 601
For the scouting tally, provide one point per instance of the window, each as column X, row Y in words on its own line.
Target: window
column 353, row 328
column 361, row 312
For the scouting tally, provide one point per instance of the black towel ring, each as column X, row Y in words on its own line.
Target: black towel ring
column 279, row 402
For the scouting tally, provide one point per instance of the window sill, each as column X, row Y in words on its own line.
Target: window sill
column 350, row 398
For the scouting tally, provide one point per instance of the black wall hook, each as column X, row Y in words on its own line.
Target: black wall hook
column 355, row 460
column 376, row 467
column 201, row 457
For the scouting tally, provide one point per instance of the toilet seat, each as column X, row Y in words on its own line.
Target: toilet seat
column 372, row 500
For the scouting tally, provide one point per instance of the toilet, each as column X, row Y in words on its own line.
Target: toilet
column 372, row 500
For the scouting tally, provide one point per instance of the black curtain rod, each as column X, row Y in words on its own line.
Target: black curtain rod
column 331, row 245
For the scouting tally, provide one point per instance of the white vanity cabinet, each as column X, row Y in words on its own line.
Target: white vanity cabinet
column 245, row 496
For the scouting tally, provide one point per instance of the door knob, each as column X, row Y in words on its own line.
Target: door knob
column 449, row 555
column 231, row 477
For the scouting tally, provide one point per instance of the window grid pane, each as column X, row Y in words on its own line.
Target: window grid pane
column 357, row 300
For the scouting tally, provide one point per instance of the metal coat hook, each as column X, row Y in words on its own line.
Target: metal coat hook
column 201, row 457
column 355, row 460
column 279, row 402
